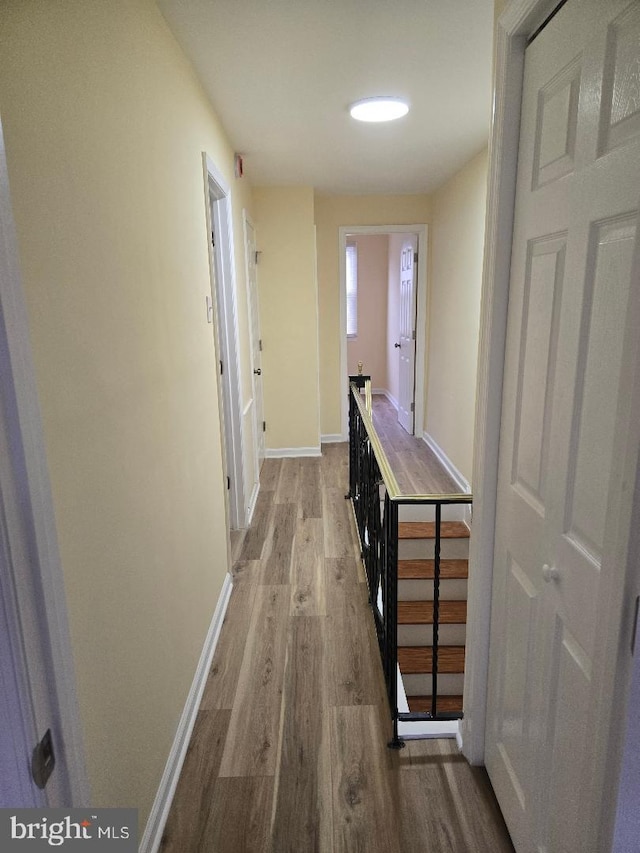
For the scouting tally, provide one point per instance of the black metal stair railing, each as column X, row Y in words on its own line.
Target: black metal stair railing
column 376, row 499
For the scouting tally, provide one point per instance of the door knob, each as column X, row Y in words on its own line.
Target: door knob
column 258, row 371
column 550, row 573
column 397, row 346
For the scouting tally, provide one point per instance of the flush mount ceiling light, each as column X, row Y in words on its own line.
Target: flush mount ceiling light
column 379, row 109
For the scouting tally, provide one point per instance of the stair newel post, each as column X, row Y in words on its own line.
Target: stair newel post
column 436, row 612
column 391, row 613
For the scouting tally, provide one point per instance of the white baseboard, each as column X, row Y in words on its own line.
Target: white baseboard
column 252, row 503
column 446, row 463
column 160, row 810
column 290, row 452
column 333, row 438
column 384, row 393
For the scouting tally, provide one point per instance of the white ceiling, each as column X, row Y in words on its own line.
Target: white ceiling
column 281, row 74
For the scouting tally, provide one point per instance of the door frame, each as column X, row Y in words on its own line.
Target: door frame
column 421, row 317
column 247, row 220
column 518, row 23
column 219, row 219
column 29, row 528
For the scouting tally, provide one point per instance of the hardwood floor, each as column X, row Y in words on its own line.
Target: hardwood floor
column 417, row 469
column 288, row 754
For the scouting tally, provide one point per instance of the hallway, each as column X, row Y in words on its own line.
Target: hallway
column 417, row 468
column 289, row 749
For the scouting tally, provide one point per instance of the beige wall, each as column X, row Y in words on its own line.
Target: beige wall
column 370, row 345
column 288, row 315
column 330, row 213
column 457, row 242
column 104, row 124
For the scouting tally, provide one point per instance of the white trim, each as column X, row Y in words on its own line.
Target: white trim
column 160, row 810
column 256, row 474
column 291, row 452
column 252, row 503
column 446, row 463
column 520, row 19
column 332, row 438
column 344, row 376
column 421, row 231
column 46, row 569
column 223, row 284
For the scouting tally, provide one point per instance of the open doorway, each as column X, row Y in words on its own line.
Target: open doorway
column 224, row 316
column 383, row 317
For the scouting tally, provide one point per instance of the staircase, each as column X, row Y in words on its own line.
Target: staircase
column 398, row 544
column 415, row 611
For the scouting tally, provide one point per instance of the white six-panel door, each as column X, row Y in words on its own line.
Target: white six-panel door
column 566, row 437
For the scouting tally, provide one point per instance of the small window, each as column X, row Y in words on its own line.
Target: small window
column 352, row 290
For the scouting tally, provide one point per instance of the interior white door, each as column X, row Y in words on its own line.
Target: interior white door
column 407, row 333
column 256, row 341
column 568, row 447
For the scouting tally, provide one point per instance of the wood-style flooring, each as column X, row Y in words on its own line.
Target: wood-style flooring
column 416, row 467
column 289, row 751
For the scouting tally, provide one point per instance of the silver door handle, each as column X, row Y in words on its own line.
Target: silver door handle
column 258, row 371
column 550, row 573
